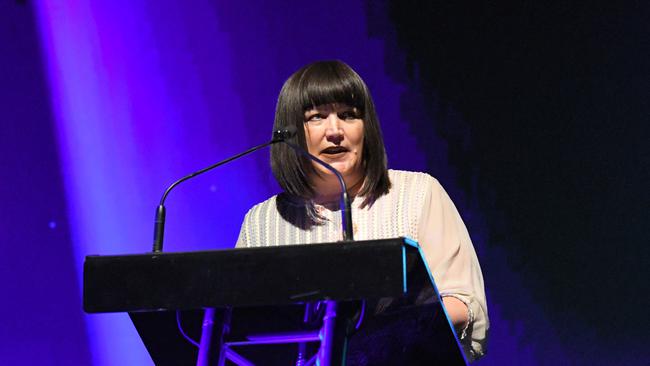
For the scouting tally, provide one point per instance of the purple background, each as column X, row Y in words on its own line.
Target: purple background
column 534, row 119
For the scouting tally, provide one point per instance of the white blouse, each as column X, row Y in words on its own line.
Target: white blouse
column 416, row 207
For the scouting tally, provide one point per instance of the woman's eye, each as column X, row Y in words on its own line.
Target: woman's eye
column 315, row 117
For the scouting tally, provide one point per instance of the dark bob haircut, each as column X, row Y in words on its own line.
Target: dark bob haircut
column 321, row 83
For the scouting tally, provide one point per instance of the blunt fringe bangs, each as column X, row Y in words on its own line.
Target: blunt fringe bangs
column 321, row 83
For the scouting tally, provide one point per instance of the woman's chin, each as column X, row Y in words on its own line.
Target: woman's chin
column 344, row 167
column 341, row 167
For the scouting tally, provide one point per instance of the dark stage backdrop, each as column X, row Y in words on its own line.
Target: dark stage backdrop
column 533, row 116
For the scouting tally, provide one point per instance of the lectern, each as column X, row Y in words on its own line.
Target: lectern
column 269, row 304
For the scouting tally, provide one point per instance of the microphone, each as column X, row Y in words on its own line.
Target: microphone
column 284, row 133
column 159, row 223
column 346, row 207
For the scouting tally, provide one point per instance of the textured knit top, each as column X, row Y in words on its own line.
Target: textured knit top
column 416, row 207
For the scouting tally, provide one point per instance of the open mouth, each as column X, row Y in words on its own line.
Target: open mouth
column 333, row 150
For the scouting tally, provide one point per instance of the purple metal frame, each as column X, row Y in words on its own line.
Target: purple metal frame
column 206, row 337
column 324, row 335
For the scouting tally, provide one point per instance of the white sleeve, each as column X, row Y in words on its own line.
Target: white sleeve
column 454, row 265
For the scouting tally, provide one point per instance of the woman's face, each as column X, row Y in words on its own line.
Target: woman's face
column 334, row 134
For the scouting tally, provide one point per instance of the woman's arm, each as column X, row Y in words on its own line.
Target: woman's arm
column 454, row 266
column 457, row 311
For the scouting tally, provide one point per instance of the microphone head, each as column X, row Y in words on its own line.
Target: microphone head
column 284, row 133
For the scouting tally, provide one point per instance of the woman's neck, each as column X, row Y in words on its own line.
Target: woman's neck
column 328, row 189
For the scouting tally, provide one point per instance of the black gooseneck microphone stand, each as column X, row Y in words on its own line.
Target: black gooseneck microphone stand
column 281, row 135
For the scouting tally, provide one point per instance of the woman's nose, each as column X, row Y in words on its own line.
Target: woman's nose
column 334, row 132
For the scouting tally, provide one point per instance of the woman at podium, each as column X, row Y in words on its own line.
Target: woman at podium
column 332, row 109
